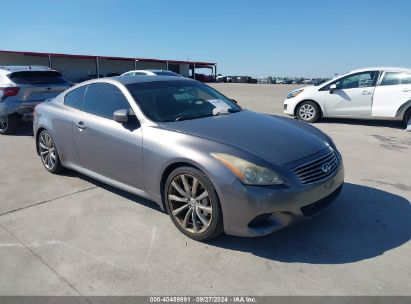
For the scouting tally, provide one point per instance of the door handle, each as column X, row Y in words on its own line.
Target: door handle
column 407, row 90
column 366, row 93
column 80, row 125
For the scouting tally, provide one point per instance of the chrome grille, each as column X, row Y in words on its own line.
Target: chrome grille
column 318, row 169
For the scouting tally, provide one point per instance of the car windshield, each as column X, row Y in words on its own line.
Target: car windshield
column 37, row 77
column 165, row 101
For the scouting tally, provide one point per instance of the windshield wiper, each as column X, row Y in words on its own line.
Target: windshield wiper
column 229, row 111
column 193, row 117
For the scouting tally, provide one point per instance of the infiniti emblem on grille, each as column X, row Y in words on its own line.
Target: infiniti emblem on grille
column 326, row 167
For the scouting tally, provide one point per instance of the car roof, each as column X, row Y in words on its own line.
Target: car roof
column 145, row 78
column 23, row 68
column 139, row 71
column 381, row 69
column 155, row 71
column 151, row 72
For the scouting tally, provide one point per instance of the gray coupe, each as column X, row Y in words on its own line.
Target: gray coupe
column 211, row 165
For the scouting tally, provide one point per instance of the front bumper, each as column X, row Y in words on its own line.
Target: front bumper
column 258, row 211
column 289, row 106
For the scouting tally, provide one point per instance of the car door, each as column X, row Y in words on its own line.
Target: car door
column 73, row 102
column 105, row 146
column 353, row 95
column 391, row 93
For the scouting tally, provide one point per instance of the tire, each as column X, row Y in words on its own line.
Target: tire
column 48, row 153
column 207, row 224
column 308, row 111
column 407, row 117
column 9, row 124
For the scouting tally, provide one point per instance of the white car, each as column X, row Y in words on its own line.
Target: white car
column 151, row 73
column 370, row 93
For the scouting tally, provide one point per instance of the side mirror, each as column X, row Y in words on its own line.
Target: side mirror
column 333, row 87
column 121, row 116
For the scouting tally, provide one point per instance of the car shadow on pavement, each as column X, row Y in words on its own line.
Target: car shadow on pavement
column 363, row 223
column 363, row 122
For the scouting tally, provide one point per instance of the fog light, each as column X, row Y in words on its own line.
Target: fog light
column 259, row 220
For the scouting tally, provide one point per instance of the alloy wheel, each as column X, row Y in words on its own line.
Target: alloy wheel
column 190, row 203
column 306, row 111
column 4, row 122
column 47, row 151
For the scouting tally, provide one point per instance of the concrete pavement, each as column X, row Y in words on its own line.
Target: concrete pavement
column 70, row 235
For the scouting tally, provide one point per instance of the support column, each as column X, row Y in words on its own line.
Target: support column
column 97, row 68
column 49, row 61
column 135, row 64
column 194, row 70
column 167, row 64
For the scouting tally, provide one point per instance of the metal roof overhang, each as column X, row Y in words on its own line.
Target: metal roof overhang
column 191, row 63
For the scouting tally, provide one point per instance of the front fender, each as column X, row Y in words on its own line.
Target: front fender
column 402, row 109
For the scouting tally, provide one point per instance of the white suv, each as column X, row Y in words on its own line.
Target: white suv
column 370, row 93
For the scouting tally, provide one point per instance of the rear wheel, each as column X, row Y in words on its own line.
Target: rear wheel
column 193, row 204
column 9, row 123
column 48, row 153
column 308, row 111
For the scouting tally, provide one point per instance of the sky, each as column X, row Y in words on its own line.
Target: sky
column 256, row 38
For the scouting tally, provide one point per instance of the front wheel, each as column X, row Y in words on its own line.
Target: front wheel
column 308, row 111
column 193, row 204
column 48, row 153
column 407, row 119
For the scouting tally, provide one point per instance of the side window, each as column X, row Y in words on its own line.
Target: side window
column 103, row 99
column 139, row 74
column 360, row 80
column 74, row 99
column 394, row 78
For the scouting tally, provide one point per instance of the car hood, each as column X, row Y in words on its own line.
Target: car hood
column 277, row 140
column 308, row 88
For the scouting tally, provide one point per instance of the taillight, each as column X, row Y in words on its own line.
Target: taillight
column 11, row 91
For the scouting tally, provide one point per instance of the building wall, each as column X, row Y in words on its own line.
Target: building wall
column 75, row 69
column 21, row 59
column 146, row 65
column 114, row 66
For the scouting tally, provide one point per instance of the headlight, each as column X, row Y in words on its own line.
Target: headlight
column 247, row 172
column 330, row 141
column 294, row 93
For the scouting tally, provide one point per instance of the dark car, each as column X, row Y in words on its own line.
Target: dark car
column 24, row 87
